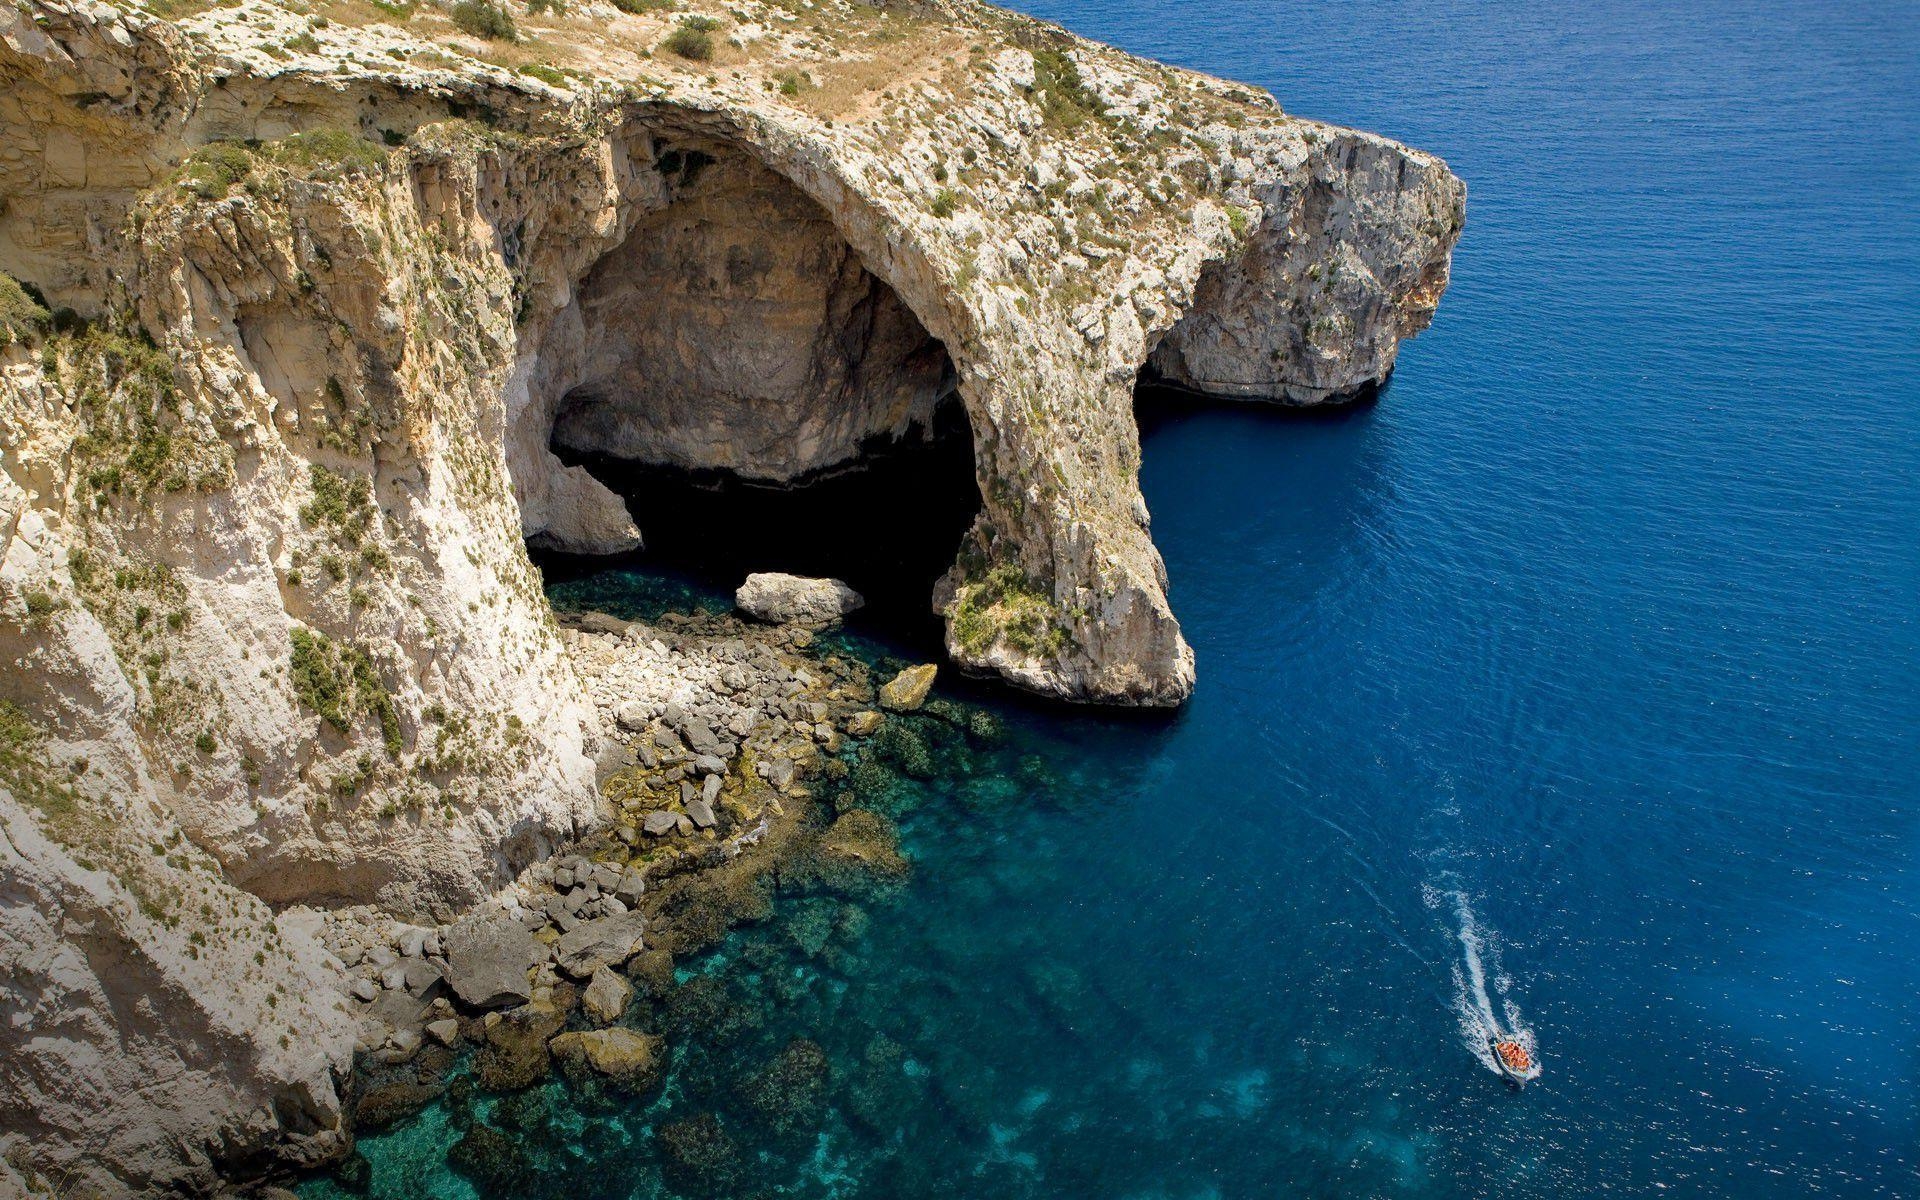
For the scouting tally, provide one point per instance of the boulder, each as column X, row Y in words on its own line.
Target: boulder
column 622, row 1056
column 795, row 599
column 778, row 772
column 423, row 978
column 659, row 824
column 864, row 723
column 599, row 943
column 487, row 961
column 709, row 790
column 514, row 1050
column 632, row 886
column 908, row 690
column 606, row 996
column 446, row 1031
column 701, row 813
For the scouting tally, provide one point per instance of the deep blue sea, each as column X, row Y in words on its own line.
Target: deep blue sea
column 1574, row 685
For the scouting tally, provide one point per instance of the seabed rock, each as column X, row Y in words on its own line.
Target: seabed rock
column 908, row 690
column 699, row 1157
column 624, row 1057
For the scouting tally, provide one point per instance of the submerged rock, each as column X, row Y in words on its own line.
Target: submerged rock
column 497, row 1164
column 788, row 1092
column 857, row 855
column 699, row 1157
column 908, row 690
column 795, row 599
column 513, row 1051
column 630, row 1059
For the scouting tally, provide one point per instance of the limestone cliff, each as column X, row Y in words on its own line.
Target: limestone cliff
column 316, row 289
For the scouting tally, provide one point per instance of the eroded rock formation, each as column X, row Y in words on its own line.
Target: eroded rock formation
column 334, row 288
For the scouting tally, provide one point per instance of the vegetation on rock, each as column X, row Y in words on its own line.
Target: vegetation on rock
column 693, row 39
column 339, row 683
column 485, row 19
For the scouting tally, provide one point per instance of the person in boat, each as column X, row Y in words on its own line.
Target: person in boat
column 1513, row 1054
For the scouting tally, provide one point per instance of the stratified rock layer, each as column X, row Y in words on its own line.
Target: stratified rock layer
column 338, row 286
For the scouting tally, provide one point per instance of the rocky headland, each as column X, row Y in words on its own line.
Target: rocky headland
column 297, row 302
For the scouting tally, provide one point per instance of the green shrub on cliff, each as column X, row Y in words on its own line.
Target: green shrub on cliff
column 24, row 771
column 212, row 171
column 136, row 435
column 483, row 19
column 22, row 318
column 339, row 683
column 693, row 40
column 1065, row 101
column 342, row 503
column 1007, row 605
column 325, row 148
column 218, row 167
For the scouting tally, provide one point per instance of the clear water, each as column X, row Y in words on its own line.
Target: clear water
column 1572, row 686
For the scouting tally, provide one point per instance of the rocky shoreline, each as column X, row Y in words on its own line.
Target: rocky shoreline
column 295, row 309
column 739, row 762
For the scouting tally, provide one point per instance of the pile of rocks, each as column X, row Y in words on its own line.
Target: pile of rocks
column 700, row 711
column 711, row 725
column 584, row 890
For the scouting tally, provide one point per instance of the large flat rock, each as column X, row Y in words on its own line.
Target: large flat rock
column 487, row 962
column 603, row 943
column 796, row 599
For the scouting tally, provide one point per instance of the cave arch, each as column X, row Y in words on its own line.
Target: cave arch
column 733, row 344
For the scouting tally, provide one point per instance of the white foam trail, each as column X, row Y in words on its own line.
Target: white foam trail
column 1473, row 1002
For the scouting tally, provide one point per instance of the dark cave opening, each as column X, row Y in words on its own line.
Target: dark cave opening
column 888, row 523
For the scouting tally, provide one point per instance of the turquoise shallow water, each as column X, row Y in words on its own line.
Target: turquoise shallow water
column 1572, row 682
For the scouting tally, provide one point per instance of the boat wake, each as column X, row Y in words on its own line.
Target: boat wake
column 1480, row 987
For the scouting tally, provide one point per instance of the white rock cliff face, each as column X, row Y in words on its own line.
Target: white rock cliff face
column 272, row 635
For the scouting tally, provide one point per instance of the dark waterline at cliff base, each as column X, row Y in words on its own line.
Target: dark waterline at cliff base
column 888, row 524
column 1571, row 685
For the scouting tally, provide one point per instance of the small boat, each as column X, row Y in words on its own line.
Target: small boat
column 1514, row 1061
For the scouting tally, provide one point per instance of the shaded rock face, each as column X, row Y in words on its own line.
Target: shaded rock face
column 736, row 329
column 1301, row 316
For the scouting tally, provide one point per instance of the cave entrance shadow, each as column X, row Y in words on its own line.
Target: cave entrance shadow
column 888, row 523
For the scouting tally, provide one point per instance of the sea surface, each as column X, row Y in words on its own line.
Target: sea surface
column 1573, row 687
